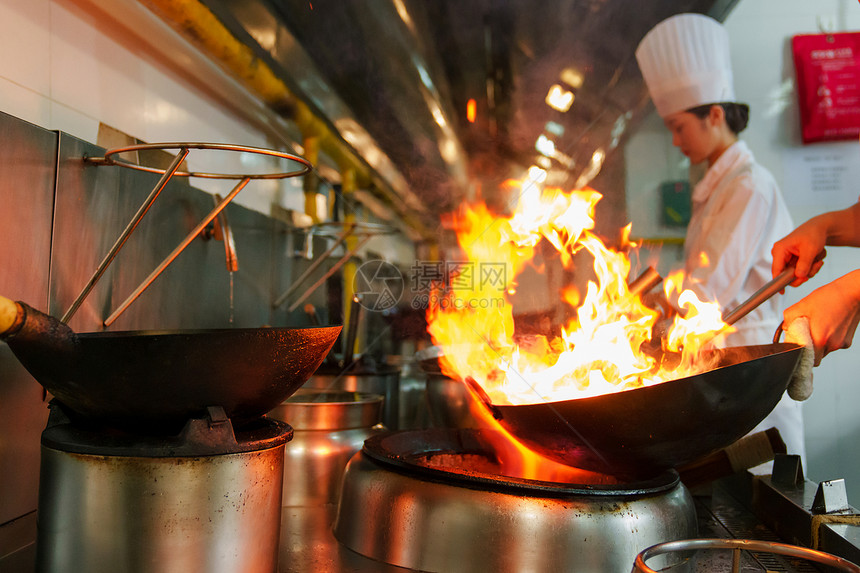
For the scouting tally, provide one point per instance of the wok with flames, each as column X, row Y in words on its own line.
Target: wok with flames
column 611, row 383
column 637, row 432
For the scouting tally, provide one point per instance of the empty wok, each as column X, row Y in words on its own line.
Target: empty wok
column 150, row 379
column 640, row 431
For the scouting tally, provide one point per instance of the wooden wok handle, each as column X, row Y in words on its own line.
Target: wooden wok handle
column 9, row 315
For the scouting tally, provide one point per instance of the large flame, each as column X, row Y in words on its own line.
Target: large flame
column 605, row 345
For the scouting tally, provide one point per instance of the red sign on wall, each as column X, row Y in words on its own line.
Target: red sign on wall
column 828, row 85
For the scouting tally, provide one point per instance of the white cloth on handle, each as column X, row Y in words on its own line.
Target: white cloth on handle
column 800, row 386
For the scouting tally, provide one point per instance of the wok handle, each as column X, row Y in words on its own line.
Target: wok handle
column 778, row 334
column 645, row 282
column 8, row 315
column 483, row 396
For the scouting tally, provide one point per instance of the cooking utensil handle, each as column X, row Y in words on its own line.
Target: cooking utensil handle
column 10, row 315
column 782, row 280
column 771, row 288
column 645, row 282
column 778, row 334
column 483, row 396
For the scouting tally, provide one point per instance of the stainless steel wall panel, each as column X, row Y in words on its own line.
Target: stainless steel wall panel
column 95, row 203
column 28, row 156
column 28, row 167
column 59, row 216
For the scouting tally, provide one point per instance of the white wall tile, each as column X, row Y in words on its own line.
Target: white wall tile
column 73, row 122
column 24, row 103
column 24, row 43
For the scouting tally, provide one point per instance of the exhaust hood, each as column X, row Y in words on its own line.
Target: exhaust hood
column 445, row 98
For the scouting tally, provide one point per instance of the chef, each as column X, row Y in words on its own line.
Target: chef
column 738, row 211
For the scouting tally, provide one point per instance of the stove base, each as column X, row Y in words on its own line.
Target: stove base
column 433, row 526
column 111, row 511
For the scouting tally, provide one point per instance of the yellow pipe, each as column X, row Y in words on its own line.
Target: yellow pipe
column 310, row 183
column 198, row 24
column 348, row 187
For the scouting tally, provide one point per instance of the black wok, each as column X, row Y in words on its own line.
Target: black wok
column 637, row 432
column 161, row 379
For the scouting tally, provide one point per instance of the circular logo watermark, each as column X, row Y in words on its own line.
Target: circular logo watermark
column 379, row 283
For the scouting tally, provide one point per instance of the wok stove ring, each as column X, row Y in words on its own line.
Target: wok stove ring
column 439, row 500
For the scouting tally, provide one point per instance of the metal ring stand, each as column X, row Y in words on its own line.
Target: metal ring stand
column 166, row 175
column 340, row 232
column 109, row 159
column 738, row 545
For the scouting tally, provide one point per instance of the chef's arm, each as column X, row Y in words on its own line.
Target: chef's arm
column 833, row 312
column 836, row 228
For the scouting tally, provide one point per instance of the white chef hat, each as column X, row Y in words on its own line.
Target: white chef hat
column 685, row 62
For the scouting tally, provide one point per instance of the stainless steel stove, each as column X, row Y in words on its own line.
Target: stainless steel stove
column 782, row 508
column 206, row 499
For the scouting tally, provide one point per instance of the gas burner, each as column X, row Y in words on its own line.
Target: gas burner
column 477, row 458
column 449, row 500
column 211, row 434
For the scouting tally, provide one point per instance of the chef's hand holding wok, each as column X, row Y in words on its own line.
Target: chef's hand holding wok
column 833, row 312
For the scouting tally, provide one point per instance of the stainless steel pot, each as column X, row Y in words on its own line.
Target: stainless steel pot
column 329, row 428
column 383, row 380
column 450, row 404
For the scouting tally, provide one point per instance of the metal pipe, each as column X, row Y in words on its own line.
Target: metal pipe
column 187, row 241
column 352, row 331
column 329, row 273
column 348, row 186
column 314, row 265
column 132, row 225
column 310, row 183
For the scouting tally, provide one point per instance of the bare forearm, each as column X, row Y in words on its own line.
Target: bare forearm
column 804, row 246
column 842, row 227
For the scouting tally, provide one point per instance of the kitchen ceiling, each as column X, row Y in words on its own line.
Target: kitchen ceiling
column 394, row 78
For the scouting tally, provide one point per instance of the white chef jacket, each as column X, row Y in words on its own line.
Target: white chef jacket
column 738, row 214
